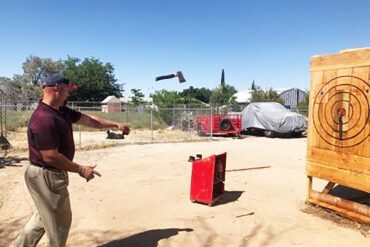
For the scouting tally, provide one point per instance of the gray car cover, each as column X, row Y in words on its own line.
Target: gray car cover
column 272, row 116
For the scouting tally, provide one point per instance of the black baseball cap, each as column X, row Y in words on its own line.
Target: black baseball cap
column 53, row 79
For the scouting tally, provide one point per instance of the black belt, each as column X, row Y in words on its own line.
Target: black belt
column 46, row 167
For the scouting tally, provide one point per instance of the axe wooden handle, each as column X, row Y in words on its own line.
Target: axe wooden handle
column 164, row 77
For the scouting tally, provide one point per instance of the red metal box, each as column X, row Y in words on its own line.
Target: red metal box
column 207, row 179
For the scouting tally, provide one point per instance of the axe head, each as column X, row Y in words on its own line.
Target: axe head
column 181, row 77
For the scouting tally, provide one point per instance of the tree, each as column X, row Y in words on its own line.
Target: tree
column 253, row 87
column 137, row 97
column 17, row 89
column 303, row 105
column 11, row 89
column 259, row 95
column 166, row 99
column 96, row 80
column 223, row 95
column 223, row 78
column 34, row 68
column 201, row 94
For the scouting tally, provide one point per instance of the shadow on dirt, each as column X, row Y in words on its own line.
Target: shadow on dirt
column 229, row 196
column 146, row 239
column 275, row 135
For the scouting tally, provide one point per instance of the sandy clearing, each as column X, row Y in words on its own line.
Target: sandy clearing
column 86, row 140
column 143, row 198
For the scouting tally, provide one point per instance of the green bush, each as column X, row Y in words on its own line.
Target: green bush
column 13, row 120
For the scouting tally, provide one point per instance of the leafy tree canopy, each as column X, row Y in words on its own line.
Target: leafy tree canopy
column 96, row 80
column 303, row 105
column 201, row 94
column 253, row 87
column 137, row 97
column 260, row 95
column 168, row 99
column 223, row 95
column 223, row 78
column 17, row 89
column 35, row 68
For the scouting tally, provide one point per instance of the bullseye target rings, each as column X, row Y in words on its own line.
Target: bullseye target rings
column 341, row 111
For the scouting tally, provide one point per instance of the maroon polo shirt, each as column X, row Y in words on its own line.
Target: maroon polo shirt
column 48, row 129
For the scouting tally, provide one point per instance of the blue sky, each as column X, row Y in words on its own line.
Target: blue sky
column 268, row 41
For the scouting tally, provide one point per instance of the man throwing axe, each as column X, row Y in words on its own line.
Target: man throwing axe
column 51, row 152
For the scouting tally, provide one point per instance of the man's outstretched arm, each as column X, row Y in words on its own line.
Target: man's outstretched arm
column 101, row 123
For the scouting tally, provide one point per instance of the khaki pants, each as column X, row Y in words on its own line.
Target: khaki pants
column 53, row 216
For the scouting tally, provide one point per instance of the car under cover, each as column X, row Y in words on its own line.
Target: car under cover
column 272, row 116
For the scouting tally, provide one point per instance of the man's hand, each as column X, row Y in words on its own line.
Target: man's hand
column 124, row 128
column 88, row 172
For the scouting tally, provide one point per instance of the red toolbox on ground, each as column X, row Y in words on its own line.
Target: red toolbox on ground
column 207, row 178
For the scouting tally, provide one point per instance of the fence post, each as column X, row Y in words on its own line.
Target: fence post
column 151, row 122
column 79, row 132
column 211, row 123
column 5, row 131
column 173, row 115
column 127, row 113
column 188, row 116
column 1, row 114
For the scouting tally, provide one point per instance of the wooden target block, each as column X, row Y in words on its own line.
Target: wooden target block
column 339, row 122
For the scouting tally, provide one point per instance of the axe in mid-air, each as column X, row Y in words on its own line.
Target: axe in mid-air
column 177, row 74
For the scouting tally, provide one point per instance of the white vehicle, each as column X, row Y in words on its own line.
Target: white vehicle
column 271, row 119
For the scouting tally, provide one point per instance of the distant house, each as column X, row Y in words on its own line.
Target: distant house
column 292, row 97
column 111, row 104
column 125, row 103
column 243, row 97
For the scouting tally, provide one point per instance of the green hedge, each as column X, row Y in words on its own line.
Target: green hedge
column 14, row 120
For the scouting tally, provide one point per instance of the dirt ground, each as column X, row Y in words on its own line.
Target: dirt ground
column 86, row 140
column 142, row 199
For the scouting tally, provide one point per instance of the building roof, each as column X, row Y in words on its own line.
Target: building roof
column 111, row 99
column 246, row 95
column 243, row 96
column 124, row 100
column 292, row 89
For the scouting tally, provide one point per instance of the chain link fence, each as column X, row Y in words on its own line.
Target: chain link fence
column 149, row 123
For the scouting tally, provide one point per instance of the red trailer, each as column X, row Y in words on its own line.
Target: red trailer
column 219, row 124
